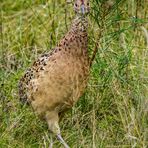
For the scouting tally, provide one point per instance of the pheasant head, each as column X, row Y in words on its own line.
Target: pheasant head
column 82, row 6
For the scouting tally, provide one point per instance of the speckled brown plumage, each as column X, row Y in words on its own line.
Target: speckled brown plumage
column 57, row 79
column 62, row 70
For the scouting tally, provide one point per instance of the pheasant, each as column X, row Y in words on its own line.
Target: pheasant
column 57, row 79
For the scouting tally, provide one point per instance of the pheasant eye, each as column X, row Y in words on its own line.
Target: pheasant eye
column 76, row 5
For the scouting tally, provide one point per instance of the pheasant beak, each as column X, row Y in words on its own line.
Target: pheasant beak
column 83, row 9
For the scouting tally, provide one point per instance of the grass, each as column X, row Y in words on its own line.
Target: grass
column 113, row 110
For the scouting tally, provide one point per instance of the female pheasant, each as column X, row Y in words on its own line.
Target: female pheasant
column 57, row 79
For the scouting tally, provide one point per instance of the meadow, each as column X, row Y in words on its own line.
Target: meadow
column 113, row 112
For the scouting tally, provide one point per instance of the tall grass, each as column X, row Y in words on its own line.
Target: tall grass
column 113, row 110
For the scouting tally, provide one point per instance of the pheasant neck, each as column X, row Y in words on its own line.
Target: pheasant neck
column 79, row 35
column 79, row 25
column 76, row 39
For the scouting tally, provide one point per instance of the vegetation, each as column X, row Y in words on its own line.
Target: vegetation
column 113, row 110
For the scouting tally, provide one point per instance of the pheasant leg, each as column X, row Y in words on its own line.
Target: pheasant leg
column 62, row 141
column 51, row 142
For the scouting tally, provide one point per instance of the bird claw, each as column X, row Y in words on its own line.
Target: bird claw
column 62, row 141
